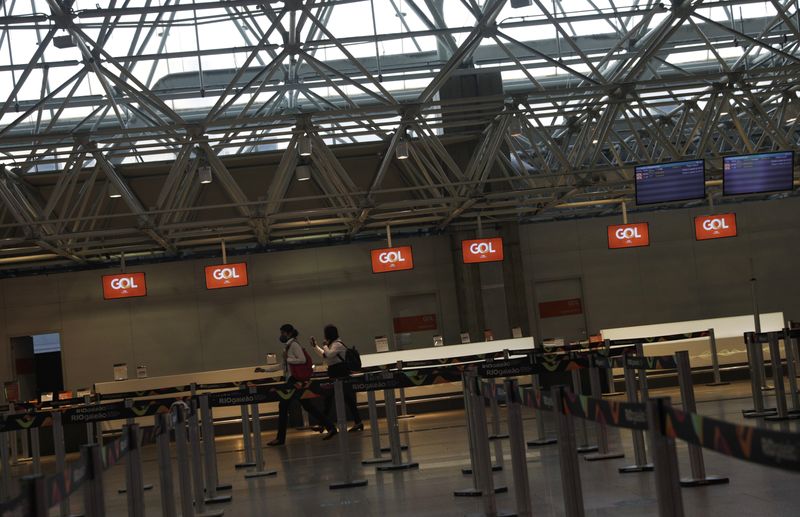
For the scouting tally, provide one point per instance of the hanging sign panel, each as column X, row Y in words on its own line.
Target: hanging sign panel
column 628, row 235
column 223, row 276
column 126, row 285
column 714, row 226
column 482, row 250
column 387, row 260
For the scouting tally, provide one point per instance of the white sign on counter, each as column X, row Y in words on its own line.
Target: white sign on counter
column 381, row 344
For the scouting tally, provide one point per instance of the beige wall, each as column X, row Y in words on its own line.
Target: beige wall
column 182, row 327
column 676, row 278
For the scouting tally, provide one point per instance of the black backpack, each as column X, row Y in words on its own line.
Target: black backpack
column 351, row 359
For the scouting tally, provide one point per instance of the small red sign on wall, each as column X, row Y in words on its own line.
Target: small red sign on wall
column 558, row 308
column 415, row 323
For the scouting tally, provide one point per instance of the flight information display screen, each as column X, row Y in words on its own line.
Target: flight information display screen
column 757, row 173
column 675, row 181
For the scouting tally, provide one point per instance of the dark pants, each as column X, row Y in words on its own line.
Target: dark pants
column 349, row 396
column 283, row 412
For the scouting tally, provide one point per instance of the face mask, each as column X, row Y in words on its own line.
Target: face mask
column 283, row 339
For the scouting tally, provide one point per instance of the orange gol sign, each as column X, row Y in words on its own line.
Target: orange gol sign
column 714, row 226
column 387, row 260
column 222, row 276
column 482, row 250
column 125, row 285
column 628, row 235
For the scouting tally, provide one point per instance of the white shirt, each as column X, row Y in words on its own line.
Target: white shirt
column 333, row 353
column 294, row 355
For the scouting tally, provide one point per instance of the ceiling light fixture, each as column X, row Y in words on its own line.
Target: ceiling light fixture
column 792, row 110
column 516, row 126
column 113, row 191
column 204, row 172
column 304, row 146
column 303, row 172
column 401, row 151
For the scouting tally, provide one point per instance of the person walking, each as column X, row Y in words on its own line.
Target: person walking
column 334, row 350
column 297, row 369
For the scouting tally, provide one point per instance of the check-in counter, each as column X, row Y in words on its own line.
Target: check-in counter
column 729, row 332
column 274, row 371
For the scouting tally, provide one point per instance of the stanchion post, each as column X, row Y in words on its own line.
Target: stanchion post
column 36, row 452
column 374, row 430
column 182, row 453
column 665, row 458
column 258, row 450
column 759, row 349
column 483, row 466
column 712, row 344
column 751, row 345
column 93, row 499
column 344, row 451
column 489, row 391
column 402, row 391
column 777, row 379
column 639, row 452
column 87, row 399
column 603, row 451
column 642, row 374
column 394, row 436
column 471, row 470
column 197, row 462
column 791, row 369
column 210, row 453
column 60, row 453
column 165, row 466
column 699, row 477
column 36, row 497
column 583, row 432
column 248, row 444
column 128, row 404
column 541, row 432
column 5, row 493
column 568, row 457
column 133, row 472
column 491, row 385
column 519, row 465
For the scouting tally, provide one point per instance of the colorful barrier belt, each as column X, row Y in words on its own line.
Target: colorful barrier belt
column 116, row 410
column 764, row 446
column 617, row 414
column 62, row 484
column 660, row 339
column 658, row 362
column 25, row 421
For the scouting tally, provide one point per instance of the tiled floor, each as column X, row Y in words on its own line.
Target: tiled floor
column 306, row 466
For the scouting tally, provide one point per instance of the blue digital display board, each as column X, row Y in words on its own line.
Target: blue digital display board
column 758, row 173
column 674, row 181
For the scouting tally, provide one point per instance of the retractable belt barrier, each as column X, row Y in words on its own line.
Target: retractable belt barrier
column 665, row 424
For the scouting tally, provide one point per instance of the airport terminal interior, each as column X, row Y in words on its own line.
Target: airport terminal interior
column 399, row 257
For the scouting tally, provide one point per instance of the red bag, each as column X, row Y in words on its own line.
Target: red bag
column 302, row 372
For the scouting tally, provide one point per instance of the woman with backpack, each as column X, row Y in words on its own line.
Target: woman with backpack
column 334, row 352
column 297, row 369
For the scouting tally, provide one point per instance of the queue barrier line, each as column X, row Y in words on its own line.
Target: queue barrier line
column 661, row 339
column 316, row 387
column 545, row 350
column 777, row 449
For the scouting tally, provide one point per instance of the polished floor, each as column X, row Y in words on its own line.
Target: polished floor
column 307, row 465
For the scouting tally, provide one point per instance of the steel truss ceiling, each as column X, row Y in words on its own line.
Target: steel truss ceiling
column 97, row 100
